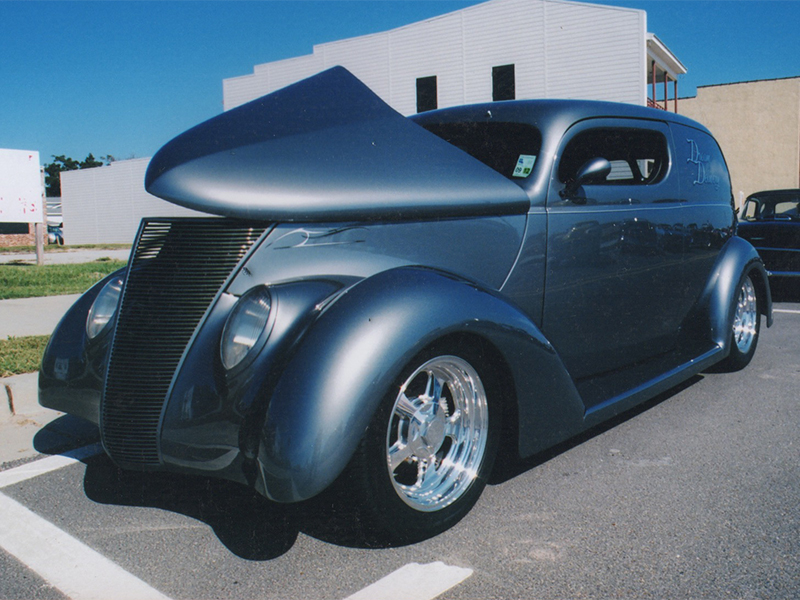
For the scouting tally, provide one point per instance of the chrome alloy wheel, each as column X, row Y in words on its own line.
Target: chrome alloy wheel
column 745, row 317
column 437, row 433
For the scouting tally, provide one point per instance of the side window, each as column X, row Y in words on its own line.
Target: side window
column 637, row 156
column 750, row 210
column 786, row 209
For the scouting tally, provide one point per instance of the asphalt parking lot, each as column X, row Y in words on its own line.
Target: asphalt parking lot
column 695, row 495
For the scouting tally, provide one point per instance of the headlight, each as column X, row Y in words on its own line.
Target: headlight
column 245, row 326
column 103, row 308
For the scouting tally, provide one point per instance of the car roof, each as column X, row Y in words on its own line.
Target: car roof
column 551, row 112
column 786, row 192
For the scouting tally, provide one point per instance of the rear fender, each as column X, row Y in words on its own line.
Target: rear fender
column 344, row 366
column 716, row 304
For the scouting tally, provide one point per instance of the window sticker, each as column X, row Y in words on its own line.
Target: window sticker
column 524, row 165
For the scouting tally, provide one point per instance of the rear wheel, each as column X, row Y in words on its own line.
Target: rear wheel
column 425, row 458
column 745, row 326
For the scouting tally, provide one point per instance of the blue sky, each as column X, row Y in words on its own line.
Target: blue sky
column 122, row 78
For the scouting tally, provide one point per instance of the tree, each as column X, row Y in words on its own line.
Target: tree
column 52, row 179
column 90, row 162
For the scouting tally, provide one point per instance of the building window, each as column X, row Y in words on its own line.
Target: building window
column 427, row 96
column 14, row 229
column 503, row 86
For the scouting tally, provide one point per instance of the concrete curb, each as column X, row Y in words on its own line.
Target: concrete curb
column 19, row 395
column 21, row 417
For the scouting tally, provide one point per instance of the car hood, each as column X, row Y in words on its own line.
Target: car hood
column 325, row 149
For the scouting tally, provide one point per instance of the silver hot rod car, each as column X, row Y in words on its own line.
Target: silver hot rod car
column 378, row 305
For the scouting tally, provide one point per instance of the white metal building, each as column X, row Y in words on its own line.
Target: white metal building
column 497, row 50
column 104, row 205
column 501, row 49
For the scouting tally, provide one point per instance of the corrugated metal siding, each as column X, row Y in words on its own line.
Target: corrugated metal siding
column 367, row 57
column 501, row 34
column 428, row 48
column 104, row 205
column 559, row 49
column 594, row 52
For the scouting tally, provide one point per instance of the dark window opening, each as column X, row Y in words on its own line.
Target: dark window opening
column 637, row 156
column 511, row 149
column 427, row 95
column 503, row 86
column 14, row 228
column 780, row 206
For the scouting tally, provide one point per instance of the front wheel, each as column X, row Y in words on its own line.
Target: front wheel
column 745, row 327
column 425, row 458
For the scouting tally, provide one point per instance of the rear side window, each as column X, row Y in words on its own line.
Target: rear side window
column 772, row 207
column 511, row 149
column 637, row 156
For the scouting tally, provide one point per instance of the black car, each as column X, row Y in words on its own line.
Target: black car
column 382, row 305
column 770, row 220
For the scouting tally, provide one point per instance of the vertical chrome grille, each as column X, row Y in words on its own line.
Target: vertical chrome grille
column 176, row 270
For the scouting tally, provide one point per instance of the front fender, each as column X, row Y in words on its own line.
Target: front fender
column 73, row 367
column 327, row 395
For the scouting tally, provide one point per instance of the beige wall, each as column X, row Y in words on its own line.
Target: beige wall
column 757, row 124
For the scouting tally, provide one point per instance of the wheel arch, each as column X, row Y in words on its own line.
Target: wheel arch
column 341, row 370
column 713, row 312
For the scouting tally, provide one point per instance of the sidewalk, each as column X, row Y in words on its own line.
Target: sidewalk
column 33, row 316
column 61, row 257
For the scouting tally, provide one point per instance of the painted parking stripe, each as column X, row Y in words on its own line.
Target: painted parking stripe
column 67, row 564
column 414, row 582
column 83, row 574
column 46, row 465
column 786, row 310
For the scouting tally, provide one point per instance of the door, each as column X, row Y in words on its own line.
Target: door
column 614, row 248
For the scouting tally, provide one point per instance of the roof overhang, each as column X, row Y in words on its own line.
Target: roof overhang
column 663, row 57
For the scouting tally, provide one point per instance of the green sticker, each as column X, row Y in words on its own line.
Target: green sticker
column 524, row 165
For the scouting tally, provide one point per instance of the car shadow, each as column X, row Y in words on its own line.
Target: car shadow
column 247, row 524
column 509, row 466
column 64, row 434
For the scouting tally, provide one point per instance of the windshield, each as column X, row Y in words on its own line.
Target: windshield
column 511, row 149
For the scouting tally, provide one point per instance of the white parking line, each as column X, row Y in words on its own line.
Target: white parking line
column 70, row 566
column 81, row 573
column 46, row 465
column 786, row 310
column 414, row 582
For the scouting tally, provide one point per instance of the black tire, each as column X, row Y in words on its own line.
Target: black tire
column 745, row 326
column 399, row 483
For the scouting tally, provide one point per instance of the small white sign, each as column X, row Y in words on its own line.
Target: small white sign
column 20, row 187
column 524, row 165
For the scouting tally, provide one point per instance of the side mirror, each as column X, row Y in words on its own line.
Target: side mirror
column 592, row 171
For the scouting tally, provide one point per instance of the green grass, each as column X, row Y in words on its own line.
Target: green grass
column 21, row 354
column 27, row 281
